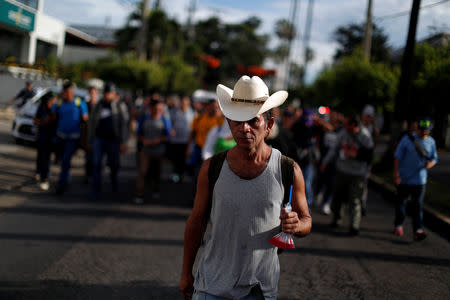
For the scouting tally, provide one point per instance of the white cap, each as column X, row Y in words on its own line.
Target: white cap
column 368, row 110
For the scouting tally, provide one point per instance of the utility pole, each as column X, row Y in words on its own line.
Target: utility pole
column 142, row 37
column 367, row 44
column 403, row 100
column 190, row 26
column 307, row 36
column 292, row 19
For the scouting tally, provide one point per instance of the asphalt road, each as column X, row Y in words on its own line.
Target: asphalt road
column 70, row 248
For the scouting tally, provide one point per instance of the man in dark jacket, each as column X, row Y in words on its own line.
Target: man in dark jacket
column 107, row 133
column 25, row 94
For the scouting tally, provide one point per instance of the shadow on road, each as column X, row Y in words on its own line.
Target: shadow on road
column 68, row 290
column 351, row 254
column 118, row 213
column 89, row 239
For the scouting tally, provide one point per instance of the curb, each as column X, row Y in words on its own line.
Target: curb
column 432, row 218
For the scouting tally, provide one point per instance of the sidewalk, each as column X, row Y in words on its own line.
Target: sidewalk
column 7, row 112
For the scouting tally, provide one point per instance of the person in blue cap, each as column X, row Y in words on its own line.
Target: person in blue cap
column 415, row 155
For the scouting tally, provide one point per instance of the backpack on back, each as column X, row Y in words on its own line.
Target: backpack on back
column 215, row 166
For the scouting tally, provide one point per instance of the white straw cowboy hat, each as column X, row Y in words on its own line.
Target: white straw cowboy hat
column 249, row 99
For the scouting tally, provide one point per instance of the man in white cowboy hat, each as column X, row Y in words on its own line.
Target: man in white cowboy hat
column 243, row 209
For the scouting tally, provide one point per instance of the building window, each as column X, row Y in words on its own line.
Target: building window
column 30, row 3
column 10, row 45
column 44, row 50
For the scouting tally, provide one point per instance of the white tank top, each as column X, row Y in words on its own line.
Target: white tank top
column 245, row 214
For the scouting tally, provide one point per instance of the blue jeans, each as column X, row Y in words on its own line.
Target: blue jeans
column 308, row 175
column 68, row 146
column 112, row 150
column 417, row 194
column 204, row 296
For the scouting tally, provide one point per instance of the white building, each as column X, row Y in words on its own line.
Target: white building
column 27, row 34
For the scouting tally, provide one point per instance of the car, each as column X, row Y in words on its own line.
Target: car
column 23, row 127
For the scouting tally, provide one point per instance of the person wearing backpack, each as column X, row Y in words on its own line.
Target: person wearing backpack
column 242, row 204
column 153, row 132
column 107, row 134
column 71, row 112
column 415, row 154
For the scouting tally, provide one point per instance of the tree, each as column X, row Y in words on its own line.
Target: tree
column 350, row 38
column 430, row 87
column 232, row 44
column 165, row 36
column 354, row 82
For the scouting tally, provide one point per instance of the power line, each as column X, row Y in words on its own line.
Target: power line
column 406, row 13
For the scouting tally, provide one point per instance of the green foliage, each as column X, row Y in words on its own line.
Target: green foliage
column 432, row 78
column 232, row 44
column 350, row 39
column 180, row 77
column 285, row 30
column 431, row 86
column 353, row 82
column 132, row 73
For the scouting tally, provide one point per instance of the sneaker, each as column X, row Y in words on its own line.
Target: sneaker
column 398, row 230
column 326, row 209
column 175, row 178
column 420, row 235
column 44, row 185
column 138, row 200
column 37, row 177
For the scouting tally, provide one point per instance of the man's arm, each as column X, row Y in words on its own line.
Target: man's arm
column 195, row 229
column 431, row 162
column 19, row 95
column 299, row 221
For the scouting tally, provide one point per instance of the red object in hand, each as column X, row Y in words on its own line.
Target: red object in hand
column 283, row 240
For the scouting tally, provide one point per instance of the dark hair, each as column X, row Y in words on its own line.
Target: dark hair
column 67, row 84
column 154, row 102
column 47, row 97
column 267, row 115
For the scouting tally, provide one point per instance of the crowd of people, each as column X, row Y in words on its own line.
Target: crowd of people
column 334, row 151
column 331, row 154
column 171, row 128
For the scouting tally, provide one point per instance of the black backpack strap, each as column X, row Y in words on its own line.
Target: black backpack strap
column 287, row 173
column 215, row 166
column 418, row 146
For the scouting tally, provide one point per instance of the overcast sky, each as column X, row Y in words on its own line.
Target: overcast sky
column 327, row 15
